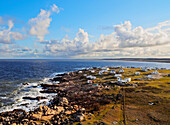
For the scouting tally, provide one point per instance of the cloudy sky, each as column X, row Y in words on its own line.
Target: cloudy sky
column 53, row 29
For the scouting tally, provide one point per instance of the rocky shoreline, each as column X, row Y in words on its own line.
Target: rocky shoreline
column 73, row 97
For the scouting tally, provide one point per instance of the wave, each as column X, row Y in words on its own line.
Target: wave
column 28, row 90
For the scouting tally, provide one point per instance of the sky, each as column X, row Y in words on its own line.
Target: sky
column 84, row 29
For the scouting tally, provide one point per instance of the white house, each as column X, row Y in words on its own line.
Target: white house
column 80, row 72
column 117, row 75
column 113, row 71
column 137, row 73
column 105, row 68
column 92, row 71
column 149, row 76
column 145, row 69
column 89, row 81
column 155, row 72
column 127, row 79
column 103, row 71
column 100, row 72
column 84, row 74
column 90, row 77
column 121, row 71
column 120, row 80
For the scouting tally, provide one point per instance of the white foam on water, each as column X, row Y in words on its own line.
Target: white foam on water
column 30, row 90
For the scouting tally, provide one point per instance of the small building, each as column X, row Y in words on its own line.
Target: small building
column 120, row 80
column 145, row 69
column 127, row 80
column 103, row 71
column 92, row 71
column 149, row 76
column 91, row 77
column 121, row 71
column 100, row 72
column 89, row 81
column 155, row 72
column 118, row 75
column 113, row 71
column 137, row 73
column 84, row 74
column 80, row 72
column 105, row 68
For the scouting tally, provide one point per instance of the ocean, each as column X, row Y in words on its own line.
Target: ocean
column 15, row 72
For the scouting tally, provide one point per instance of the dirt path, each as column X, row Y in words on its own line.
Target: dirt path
column 124, row 115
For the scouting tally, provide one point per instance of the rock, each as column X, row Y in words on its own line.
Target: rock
column 79, row 118
column 63, row 101
column 60, row 79
column 40, row 108
column 47, row 85
column 68, row 112
column 75, row 107
column 25, row 83
column 51, row 112
column 37, row 98
column 37, row 116
column 46, row 118
column 59, row 108
column 49, row 91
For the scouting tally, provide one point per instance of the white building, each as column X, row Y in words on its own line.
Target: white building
column 89, row 81
column 84, row 74
column 92, row 71
column 155, row 72
column 113, row 71
column 100, row 72
column 120, row 80
column 103, row 71
column 118, row 75
column 91, row 77
column 149, row 76
column 121, row 71
column 127, row 80
column 145, row 69
column 137, row 73
column 105, row 68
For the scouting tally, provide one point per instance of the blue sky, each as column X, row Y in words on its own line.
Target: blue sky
column 84, row 28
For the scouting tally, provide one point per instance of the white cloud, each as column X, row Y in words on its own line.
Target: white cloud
column 7, row 36
column 124, row 41
column 41, row 23
column 67, row 47
column 139, row 37
column 56, row 9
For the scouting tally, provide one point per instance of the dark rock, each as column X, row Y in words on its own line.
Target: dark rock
column 25, row 83
column 37, row 98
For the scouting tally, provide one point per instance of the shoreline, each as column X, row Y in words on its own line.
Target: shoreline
column 80, row 96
